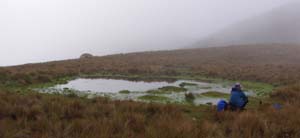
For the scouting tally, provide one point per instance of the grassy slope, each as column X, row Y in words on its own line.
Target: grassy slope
column 271, row 64
column 38, row 115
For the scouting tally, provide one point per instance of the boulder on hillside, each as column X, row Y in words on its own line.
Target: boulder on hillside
column 86, row 55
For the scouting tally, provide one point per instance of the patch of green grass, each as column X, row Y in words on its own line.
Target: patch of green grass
column 261, row 89
column 154, row 98
column 124, row 92
column 63, row 80
column 215, row 94
column 255, row 102
column 184, row 84
column 172, row 89
column 158, row 92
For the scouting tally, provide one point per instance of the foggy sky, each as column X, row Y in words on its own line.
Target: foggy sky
column 44, row 30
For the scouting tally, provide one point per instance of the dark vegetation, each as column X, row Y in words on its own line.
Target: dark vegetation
column 189, row 97
column 124, row 92
column 27, row 114
column 184, row 84
column 172, row 89
column 215, row 94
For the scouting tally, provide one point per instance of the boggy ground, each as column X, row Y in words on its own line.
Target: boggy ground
column 33, row 115
column 25, row 114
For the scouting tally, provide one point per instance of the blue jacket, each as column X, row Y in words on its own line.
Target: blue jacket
column 238, row 98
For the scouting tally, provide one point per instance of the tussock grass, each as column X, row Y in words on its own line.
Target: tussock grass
column 24, row 114
column 41, row 115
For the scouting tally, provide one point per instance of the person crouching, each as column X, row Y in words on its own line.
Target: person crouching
column 238, row 99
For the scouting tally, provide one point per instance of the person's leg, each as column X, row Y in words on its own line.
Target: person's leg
column 233, row 108
column 244, row 105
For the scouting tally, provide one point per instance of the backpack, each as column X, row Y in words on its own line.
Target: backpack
column 222, row 105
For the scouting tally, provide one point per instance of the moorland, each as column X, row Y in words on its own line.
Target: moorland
column 26, row 113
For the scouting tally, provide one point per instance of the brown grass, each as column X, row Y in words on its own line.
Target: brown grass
column 274, row 64
column 50, row 116
column 37, row 115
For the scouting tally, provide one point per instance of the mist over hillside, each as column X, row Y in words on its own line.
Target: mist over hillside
column 281, row 25
column 35, row 31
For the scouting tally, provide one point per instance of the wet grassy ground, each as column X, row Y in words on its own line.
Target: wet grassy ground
column 160, row 95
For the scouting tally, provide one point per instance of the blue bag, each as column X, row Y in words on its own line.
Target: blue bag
column 222, row 105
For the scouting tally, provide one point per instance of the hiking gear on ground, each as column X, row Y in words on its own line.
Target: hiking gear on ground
column 222, row 105
column 277, row 106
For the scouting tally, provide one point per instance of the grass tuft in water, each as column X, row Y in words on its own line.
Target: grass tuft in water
column 158, row 92
column 173, row 89
column 190, row 97
column 184, row 84
column 124, row 92
column 167, row 90
column 214, row 94
column 154, row 98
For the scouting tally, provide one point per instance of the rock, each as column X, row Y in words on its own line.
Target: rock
column 86, row 55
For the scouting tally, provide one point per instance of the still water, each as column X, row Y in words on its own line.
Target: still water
column 135, row 90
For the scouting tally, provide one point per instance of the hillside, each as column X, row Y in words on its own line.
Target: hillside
column 281, row 26
column 27, row 114
column 277, row 64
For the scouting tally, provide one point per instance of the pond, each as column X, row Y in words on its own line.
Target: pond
column 160, row 91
